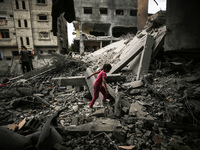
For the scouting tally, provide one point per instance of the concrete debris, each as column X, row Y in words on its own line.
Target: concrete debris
column 153, row 101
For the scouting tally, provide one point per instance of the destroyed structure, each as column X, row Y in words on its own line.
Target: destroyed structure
column 154, row 97
column 99, row 23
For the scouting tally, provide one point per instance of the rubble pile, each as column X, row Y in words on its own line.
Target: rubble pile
column 153, row 100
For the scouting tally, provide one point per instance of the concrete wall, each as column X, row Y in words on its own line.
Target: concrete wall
column 183, row 25
column 110, row 17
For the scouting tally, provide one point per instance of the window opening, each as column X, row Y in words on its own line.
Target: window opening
column 27, row 41
column 17, row 4
column 44, row 35
column 103, row 10
column 21, row 40
column 23, row 5
column 3, row 21
column 87, row 10
column 41, row 1
column 19, row 23
column 133, row 12
column 25, row 23
column 4, row 34
column 42, row 17
column 119, row 12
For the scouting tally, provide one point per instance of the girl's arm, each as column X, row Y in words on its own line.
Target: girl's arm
column 104, row 82
column 93, row 74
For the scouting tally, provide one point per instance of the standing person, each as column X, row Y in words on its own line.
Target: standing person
column 98, row 87
column 24, row 59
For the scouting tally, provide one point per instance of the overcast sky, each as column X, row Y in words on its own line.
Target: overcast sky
column 153, row 8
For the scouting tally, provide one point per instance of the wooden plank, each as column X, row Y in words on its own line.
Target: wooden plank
column 80, row 80
column 145, row 57
column 136, row 49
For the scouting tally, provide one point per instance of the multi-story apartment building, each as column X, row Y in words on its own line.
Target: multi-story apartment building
column 100, row 22
column 26, row 22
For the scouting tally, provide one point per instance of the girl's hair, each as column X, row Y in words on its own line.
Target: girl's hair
column 107, row 66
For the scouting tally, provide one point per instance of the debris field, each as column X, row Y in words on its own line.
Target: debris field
column 153, row 100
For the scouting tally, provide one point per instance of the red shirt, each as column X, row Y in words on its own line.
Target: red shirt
column 99, row 79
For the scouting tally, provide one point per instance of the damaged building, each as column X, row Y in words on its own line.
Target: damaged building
column 153, row 101
column 27, row 23
column 99, row 23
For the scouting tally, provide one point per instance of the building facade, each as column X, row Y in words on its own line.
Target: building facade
column 26, row 22
column 101, row 22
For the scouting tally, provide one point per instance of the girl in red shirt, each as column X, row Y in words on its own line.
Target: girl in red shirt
column 98, row 87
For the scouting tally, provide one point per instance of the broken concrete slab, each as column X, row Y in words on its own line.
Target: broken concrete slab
column 80, row 80
column 135, row 49
column 134, row 84
column 125, row 103
column 99, row 113
column 100, row 125
column 136, row 109
column 192, row 78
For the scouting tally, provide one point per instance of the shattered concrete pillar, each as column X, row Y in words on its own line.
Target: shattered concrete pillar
column 81, row 39
column 145, row 57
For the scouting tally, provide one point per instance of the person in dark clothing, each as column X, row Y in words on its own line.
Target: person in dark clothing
column 24, row 59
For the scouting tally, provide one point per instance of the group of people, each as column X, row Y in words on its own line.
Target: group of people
column 26, row 59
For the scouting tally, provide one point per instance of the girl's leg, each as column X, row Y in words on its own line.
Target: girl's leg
column 103, row 91
column 96, row 95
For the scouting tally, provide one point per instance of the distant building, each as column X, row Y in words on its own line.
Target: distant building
column 101, row 22
column 29, row 23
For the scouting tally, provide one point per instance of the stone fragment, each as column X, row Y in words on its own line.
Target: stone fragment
column 99, row 113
